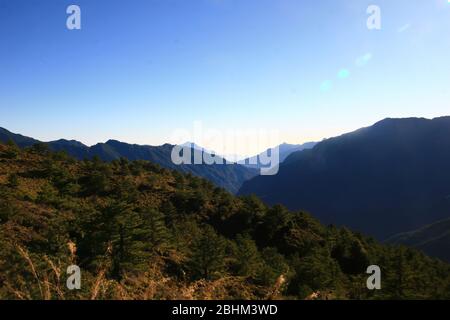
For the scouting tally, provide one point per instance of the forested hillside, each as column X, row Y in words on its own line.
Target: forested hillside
column 138, row 231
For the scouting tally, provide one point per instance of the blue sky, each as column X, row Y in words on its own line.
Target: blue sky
column 139, row 69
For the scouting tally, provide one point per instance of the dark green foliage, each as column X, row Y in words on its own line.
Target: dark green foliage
column 315, row 272
column 158, row 234
column 169, row 213
column 207, row 255
column 123, row 218
column 12, row 151
column 248, row 260
column 40, row 148
column 350, row 253
column 118, row 232
column 97, row 178
column 7, row 209
column 274, row 266
column 48, row 195
column 13, row 180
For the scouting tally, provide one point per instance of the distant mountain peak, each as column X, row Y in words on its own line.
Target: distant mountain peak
column 284, row 149
column 69, row 142
column 229, row 177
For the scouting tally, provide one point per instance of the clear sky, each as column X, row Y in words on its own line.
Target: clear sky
column 139, row 69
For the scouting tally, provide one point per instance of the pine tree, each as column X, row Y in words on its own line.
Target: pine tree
column 158, row 234
column 119, row 232
column 97, row 179
column 317, row 271
column 13, row 180
column 170, row 213
column 12, row 150
column 248, row 259
column 208, row 252
column 130, row 237
column 350, row 252
column 274, row 266
column 7, row 209
column 401, row 275
column 40, row 148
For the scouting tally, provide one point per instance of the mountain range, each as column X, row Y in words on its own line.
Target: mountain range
column 230, row 176
column 385, row 179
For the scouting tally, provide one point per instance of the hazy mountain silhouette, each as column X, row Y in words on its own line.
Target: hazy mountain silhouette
column 388, row 178
column 284, row 150
column 230, row 176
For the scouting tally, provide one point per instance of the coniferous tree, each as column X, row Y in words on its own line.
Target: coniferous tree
column 13, row 180
column 7, row 209
column 40, row 148
column 170, row 213
column 274, row 266
column 128, row 234
column 158, row 234
column 316, row 271
column 208, row 252
column 12, row 150
column 400, row 275
column 248, row 258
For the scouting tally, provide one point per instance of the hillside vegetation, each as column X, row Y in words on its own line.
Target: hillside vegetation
column 138, row 231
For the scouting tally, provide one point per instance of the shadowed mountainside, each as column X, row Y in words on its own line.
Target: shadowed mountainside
column 284, row 150
column 381, row 180
column 433, row 239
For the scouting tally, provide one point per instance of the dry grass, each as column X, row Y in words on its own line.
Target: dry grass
column 150, row 285
column 24, row 254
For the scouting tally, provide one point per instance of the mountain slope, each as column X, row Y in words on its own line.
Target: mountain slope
column 230, row 176
column 139, row 231
column 433, row 239
column 382, row 180
column 284, row 150
column 20, row 140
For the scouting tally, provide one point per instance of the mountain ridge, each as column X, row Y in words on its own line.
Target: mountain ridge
column 229, row 176
column 383, row 179
column 432, row 239
column 284, row 150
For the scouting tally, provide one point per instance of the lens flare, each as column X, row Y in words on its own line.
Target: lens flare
column 326, row 86
column 363, row 60
column 343, row 74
